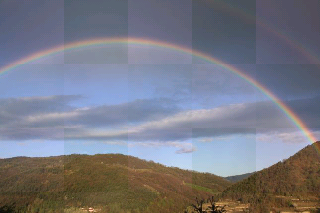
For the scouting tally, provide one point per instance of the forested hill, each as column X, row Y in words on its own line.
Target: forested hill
column 111, row 182
column 299, row 176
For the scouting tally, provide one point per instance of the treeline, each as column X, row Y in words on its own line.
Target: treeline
column 298, row 176
column 113, row 183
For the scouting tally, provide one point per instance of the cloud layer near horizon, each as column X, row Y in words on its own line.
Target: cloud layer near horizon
column 148, row 122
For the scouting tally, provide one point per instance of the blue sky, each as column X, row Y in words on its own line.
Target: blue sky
column 154, row 103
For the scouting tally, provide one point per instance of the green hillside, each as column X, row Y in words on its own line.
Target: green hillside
column 298, row 176
column 119, row 183
column 110, row 182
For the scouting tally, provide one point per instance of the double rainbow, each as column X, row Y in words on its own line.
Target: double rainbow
column 147, row 42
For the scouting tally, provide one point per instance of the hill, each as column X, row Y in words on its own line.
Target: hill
column 298, row 176
column 237, row 178
column 110, row 182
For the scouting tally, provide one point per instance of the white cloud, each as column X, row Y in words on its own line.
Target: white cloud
column 206, row 140
column 286, row 136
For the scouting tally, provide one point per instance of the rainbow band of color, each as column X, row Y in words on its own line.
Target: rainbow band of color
column 142, row 41
column 293, row 43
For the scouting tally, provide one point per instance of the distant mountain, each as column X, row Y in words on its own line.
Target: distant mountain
column 297, row 176
column 110, row 182
column 237, row 178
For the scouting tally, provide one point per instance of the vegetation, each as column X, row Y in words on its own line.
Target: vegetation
column 124, row 184
column 298, row 176
column 111, row 182
column 200, row 208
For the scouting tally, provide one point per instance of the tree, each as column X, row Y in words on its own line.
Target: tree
column 213, row 208
column 198, row 207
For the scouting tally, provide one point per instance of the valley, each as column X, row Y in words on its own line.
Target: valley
column 120, row 183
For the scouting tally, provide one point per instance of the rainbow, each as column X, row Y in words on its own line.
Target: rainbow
column 97, row 42
column 312, row 58
column 281, row 34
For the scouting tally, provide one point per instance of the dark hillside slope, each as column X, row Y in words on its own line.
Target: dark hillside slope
column 111, row 182
column 297, row 176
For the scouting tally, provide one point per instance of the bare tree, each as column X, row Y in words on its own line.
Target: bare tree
column 213, row 208
column 198, row 206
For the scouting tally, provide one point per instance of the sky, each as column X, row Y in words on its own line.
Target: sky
column 157, row 103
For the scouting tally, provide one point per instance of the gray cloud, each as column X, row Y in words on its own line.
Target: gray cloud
column 185, row 150
column 36, row 105
column 122, row 114
column 13, row 111
column 55, row 111
column 182, row 147
column 160, row 121
column 21, row 134
column 248, row 118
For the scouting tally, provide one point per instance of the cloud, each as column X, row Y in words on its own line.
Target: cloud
column 21, row 134
column 154, row 120
column 56, row 112
column 244, row 119
column 183, row 147
column 206, row 140
column 13, row 111
column 185, row 150
column 286, row 136
column 36, row 105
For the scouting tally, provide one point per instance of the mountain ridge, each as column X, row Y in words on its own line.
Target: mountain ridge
column 298, row 176
column 114, row 182
column 237, row 178
column 123, row 183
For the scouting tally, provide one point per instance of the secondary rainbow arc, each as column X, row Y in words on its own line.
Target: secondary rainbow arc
column 280, row 33
column 148, row 42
